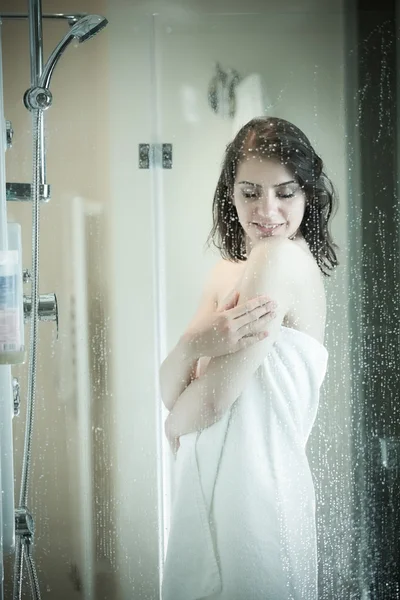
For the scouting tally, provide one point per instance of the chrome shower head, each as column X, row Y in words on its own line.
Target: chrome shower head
column 87, row 27
column 84, row 29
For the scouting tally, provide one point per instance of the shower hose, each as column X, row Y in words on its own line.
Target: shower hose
column 24, row 522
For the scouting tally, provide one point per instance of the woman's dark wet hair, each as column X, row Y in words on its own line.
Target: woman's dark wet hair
column 271, row 137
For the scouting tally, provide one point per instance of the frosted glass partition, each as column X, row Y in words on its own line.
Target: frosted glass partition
column 141, row 116
column 6, row 396
column 212, row 73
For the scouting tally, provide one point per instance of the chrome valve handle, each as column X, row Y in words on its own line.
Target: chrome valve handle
column 47, row 309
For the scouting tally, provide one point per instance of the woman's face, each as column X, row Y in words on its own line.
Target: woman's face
column 265, row 195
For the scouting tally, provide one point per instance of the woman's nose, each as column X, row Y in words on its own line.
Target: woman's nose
column 269, row 202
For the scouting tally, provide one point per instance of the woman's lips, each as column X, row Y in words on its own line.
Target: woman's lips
column 267, row 229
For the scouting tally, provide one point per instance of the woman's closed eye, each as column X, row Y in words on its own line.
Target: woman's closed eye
column 253, row 195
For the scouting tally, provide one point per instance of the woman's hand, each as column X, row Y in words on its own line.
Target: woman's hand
column 230, row 328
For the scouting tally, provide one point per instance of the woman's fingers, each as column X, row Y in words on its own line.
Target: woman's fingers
column 256, row 326
column 250, row 340
column 248, row 307
column 254, row 316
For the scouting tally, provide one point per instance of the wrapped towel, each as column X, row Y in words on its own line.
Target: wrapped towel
column 243, row 513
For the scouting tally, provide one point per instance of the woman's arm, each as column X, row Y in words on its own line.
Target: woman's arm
column 177, row 372
column 274, row 267
column 179, row 369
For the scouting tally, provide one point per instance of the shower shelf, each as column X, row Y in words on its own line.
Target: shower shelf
column 21, row 192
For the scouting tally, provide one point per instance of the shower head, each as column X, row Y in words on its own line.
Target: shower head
column 87, row 27
column 84, row 29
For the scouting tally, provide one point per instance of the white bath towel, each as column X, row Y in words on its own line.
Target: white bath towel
column 243, row 513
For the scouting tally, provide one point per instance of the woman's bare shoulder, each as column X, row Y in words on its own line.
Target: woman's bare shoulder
column 223, row 271
column 227, row 274
column 307, row 312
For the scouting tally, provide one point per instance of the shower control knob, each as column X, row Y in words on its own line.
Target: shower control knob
column 47, row 308
column 9, row 134
column 38, row 98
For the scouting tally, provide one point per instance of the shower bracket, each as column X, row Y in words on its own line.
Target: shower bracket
column 47, row 308
column 38, row 98
column 22, row 192
column 24, row 524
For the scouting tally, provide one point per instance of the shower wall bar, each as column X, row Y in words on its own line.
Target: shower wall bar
column 72, row 19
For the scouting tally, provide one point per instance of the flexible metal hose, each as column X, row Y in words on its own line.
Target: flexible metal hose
column 23, row 498
column 37, row 117
column 33, row 578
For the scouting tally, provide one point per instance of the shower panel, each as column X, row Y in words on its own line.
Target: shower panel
column 6, row 446
column 37, row 99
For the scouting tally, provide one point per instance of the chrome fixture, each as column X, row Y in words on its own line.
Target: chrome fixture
column 39, row 96
column 38, row 307
column 72, row 19
column 9, row 134
column 25, row 530
column 26, row 276
column 22, row 192
column 47, row 308
column 222, row 91
column 152, row 155
column 16, row 396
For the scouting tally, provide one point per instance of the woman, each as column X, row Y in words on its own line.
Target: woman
column 243, row 383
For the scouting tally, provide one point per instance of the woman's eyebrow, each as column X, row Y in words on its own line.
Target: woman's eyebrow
column 259, row 185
